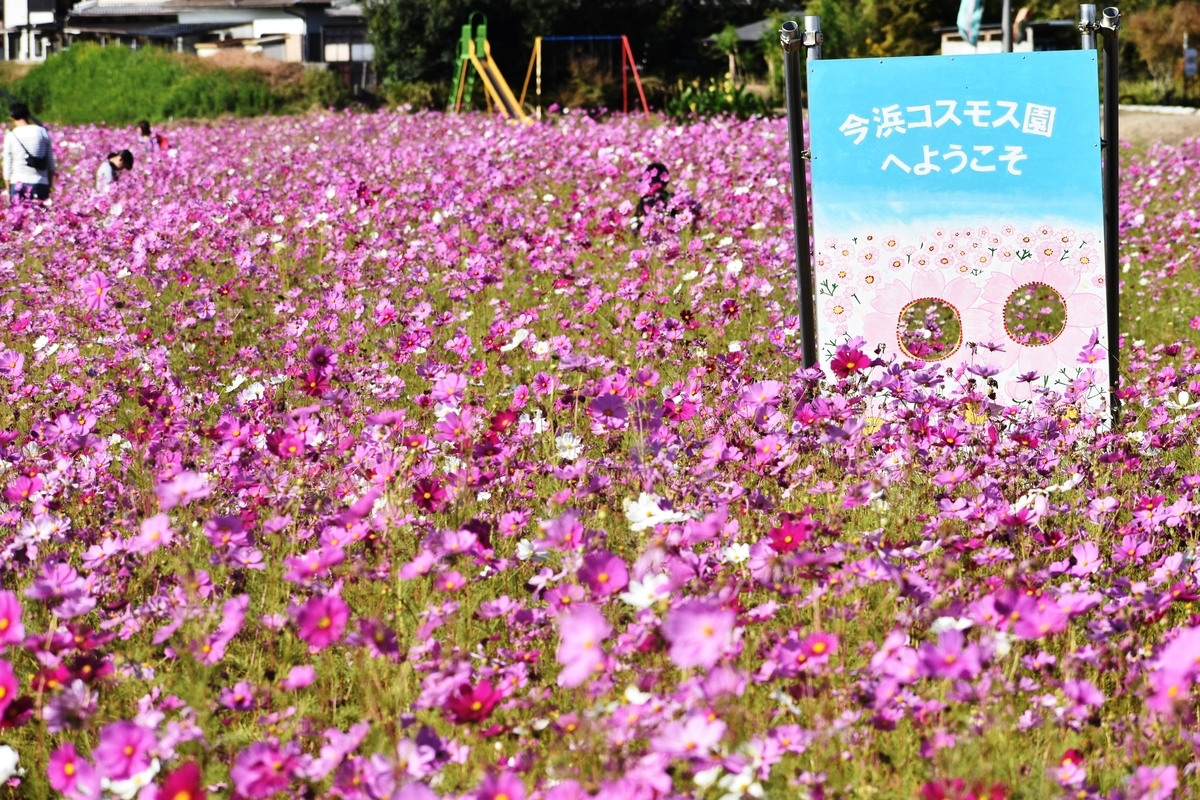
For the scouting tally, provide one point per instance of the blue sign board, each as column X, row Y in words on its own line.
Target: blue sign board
column 958, row 212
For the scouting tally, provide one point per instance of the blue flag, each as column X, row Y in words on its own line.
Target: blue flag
column 970, row 16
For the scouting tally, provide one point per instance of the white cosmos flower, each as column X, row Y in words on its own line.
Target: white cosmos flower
column 644, row 513
column 9, row 759
column 1183, row 402
column 734, row 267
column 636, row 696
column 128, row 788
column 943, row 624
column 736, row 554
column 535, row 421
column 251, row 393
column 519, row 336
column 646, row 592
column 740, row 785
column 707, row 777
column 570, row 446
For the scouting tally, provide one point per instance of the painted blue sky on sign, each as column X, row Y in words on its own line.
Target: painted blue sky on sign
column 904, row 143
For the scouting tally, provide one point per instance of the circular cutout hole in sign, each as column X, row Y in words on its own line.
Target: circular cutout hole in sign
column 929, row 329
column 1035, row 314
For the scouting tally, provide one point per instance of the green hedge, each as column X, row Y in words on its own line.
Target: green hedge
column 119, row 86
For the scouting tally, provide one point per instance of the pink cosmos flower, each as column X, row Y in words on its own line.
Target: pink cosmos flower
column 181, row 490
column 580, row 631
column 124, row 750
column 322, row 620
column 299, row 677
column 502, row 786
column 93, row 290
column 608, row 412
column 449, row 389
column 1154, row 783
column 153, row 533
column 12, row 631
column 264, row 769
column 951, row 657
column 71, row 774
column 699, row 633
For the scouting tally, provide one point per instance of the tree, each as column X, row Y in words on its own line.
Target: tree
column 727, row 42
column 415, row 39
column 1158, row 34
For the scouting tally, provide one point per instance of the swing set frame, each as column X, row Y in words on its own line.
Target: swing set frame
column 628, row 64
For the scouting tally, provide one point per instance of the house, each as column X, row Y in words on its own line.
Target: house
column 1057, row 34
column 326, row 34
column 32, row 28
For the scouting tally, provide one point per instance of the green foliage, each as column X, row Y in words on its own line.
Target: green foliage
column 716, row 99
column 881, row 28
column 416, row 94
column 88, row 83
column 211, row 93
column 119, row 86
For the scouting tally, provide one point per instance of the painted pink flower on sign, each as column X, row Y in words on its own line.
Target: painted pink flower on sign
column 1084, row 313
column 894, row 297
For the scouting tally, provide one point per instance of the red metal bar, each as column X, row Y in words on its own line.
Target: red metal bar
column 636, row 78
column 624, row 83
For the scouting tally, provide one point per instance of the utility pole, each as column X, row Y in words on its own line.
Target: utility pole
column 1006, row 32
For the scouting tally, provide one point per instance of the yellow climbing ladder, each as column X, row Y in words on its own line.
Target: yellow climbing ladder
column 495, row 87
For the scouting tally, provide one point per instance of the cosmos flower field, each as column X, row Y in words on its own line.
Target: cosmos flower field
column 375, row 456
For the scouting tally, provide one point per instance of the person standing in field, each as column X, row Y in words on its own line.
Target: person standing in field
column 151, row 141
column 107, row 173
column 28, row 157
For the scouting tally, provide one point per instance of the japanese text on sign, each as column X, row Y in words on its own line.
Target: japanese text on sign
column 1036, row 120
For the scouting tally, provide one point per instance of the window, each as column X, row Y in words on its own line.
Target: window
column 337, row 52
column 362, row 52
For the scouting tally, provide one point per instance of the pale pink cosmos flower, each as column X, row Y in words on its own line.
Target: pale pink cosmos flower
column 181, row 490
column 699, row 633
column 694, row 737
column 580, row 632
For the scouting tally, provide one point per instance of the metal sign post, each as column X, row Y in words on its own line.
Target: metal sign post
column 793, row 41
column 961, row 212
column 1108, row 26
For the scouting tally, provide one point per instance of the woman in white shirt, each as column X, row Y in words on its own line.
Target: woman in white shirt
column 28, row 157
column 106, row 174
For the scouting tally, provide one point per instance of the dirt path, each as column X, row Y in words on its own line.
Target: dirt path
column 1142, row 128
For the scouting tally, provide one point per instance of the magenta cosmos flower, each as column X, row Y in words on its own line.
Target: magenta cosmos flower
column 8, row 686
column 322, row 621
column 603, row 573
column 93, row 290
column 124, row 750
